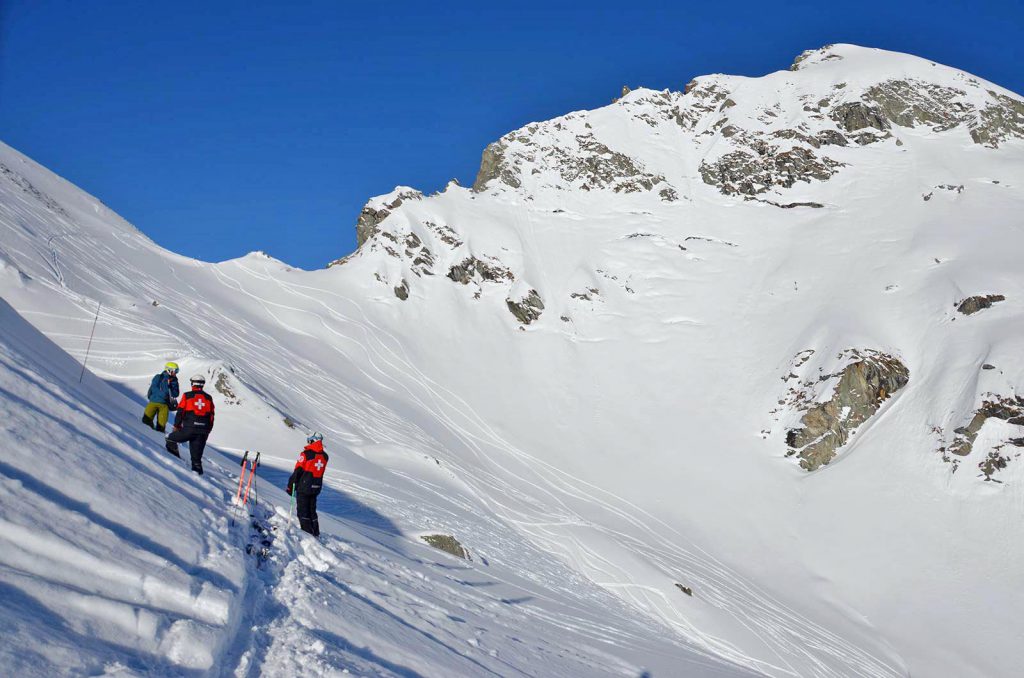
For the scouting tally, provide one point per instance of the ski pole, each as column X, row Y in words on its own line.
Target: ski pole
column 291, row 510
column 252, row 474
column 241, row 476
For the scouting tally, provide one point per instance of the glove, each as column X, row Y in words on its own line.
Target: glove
column 288, row 490
column 177, row 428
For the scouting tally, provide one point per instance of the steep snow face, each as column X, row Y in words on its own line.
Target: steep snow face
column 117, row 560
column 631, row 339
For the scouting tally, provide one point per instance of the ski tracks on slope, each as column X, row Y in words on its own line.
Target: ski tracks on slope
column 800, row 646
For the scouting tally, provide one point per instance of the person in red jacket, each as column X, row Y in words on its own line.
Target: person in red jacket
column 193, row 423
column 306, row 482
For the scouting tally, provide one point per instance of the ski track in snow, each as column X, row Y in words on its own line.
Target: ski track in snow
column 764, row 615
column 787, row 633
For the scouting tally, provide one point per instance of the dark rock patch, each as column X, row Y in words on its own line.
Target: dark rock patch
column 972, row 305
column 448, row 544
column 862, row 388
column 472, row 269
column 527, row 309
column 857, row 115
column 402, row 290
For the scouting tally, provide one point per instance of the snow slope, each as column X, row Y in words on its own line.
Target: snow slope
column 690, row 250
column 117, row 560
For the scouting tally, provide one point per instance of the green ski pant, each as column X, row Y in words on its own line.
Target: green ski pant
column 159, row 410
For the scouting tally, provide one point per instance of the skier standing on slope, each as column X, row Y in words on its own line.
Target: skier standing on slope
column 163, row 392
column 306, row 481
column 193, row 423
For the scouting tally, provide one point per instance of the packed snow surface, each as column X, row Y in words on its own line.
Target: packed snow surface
column 587, row 369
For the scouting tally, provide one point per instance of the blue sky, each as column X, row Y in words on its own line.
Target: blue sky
column 223, row 127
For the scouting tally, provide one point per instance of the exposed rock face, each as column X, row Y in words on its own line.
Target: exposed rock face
column 421, row 257
column 770, row 146
column 579, row 160
column 448, row 544
column 494, row 166
column 1001, row 120
column 402, row 290
column 372, row 215
column 473, row 269
column 857, row 116
column 1007, row 408
column 223, row 386
column 527, row 309
column 911, row 102
column 812, row 53
column 749, row 174
column 972, row 305
column 862, row 387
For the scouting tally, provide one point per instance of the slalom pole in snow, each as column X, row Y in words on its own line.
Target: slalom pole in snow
column 89, row 347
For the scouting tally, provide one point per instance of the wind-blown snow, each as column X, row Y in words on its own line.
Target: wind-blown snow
column 630, row 439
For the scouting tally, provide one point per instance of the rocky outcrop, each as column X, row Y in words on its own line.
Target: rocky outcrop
column 527, row 309
column 972, row 305
column 856, row 116
column 402, row 290
column 863, row 385
column 420, row 256
column 579, row 160
column 374, row 213
column 820, row 54
column 1007, row 408
column 222, row 385
column 742, row 172
column 493, row 166
column 998, row 121
column 598, row 166
column 912, row 102
column 472, row 269
column 448, row 544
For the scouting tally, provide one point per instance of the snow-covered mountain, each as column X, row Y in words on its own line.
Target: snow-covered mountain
column 722, row 380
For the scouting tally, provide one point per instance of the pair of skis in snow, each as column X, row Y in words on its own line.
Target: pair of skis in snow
column 247, row 480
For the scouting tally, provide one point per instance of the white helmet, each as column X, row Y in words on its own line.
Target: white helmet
column 314, row 437
column 198, row 379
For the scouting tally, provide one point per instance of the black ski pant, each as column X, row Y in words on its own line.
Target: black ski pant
column 196, row 444
column 305, row 508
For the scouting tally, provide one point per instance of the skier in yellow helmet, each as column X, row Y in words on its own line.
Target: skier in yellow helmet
column 163, row 396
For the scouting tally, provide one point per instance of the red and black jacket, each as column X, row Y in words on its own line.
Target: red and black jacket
column 195, row 411
column 308, row 476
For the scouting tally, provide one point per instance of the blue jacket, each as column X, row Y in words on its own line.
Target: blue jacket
column 163, row 389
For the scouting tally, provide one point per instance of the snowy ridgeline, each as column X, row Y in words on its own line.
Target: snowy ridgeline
column 714, row 381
